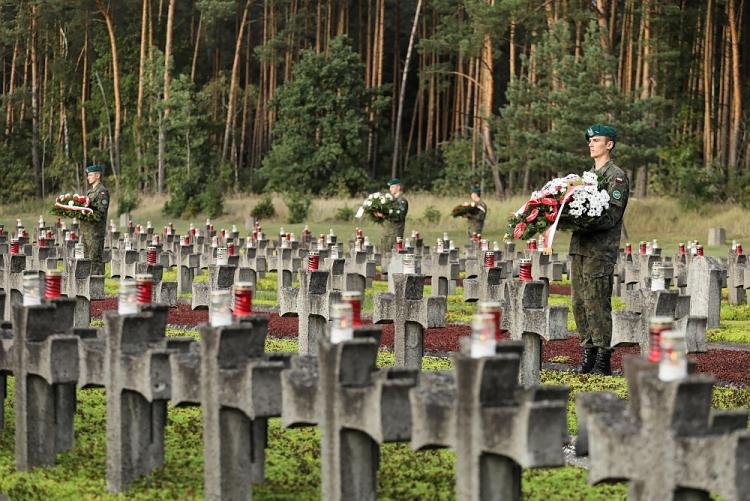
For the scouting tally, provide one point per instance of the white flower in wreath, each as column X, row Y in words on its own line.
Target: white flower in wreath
column 71, row 203
column 368, row 203
column 390, row 211
column 389, row 196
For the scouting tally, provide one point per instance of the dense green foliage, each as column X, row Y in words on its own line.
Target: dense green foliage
column 303, row 98
column 320, row 135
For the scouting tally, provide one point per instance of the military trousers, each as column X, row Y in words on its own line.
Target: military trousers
column 92, row 237
column 591, row 284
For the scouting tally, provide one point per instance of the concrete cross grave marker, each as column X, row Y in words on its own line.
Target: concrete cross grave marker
column 736, row 266
column 356, row 406
column 411, row 314
column 219, row 277
column 665, row 440
column 704, row 288
column 311, row 302
column 79, row 283
column 240, row 388
column 529, row 318
column 631, row 326
column 188, row 262
column 488, row 285
column 138, row 382
column 444, row 272
column 14, row 266
column 495, row 427
column 45, row 370
column 359, row 271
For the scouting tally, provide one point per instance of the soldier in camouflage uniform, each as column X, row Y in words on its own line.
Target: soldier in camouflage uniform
column 593, row 252
column 92, row 232
column 476, row 221
column 395, row 226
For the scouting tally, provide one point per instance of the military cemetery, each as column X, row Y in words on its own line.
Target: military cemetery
column 475, row 250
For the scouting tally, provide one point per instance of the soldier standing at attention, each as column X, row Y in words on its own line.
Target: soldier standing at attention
column 476, row 220
column 92, row 232
column 394, row 225
column 593, row 252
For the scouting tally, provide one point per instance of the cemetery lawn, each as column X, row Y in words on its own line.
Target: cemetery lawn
column 735, row 325
column 293, row 455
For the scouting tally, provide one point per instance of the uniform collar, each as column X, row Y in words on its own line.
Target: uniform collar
column 604, row 167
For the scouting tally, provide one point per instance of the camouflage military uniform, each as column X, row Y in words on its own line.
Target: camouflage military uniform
column 92, row 233
column 476, row 221
column 395, row 227
column 593, row 252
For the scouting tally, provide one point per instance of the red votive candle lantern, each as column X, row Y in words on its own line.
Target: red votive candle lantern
column 354, row 298
column 243, row 299
column 230, row 249
column 151, row 255
column 493, row 308
column 399, row 244
column 186, row 240
column 524, row 273
column 145, row 287
column 628, row 249
column 657, row 325
column 642, row 247
column 531, row 245
column 699, row 250
column 738, row 250
column 489, row 259
column 313, row 261
column 52, row 284
column 682, row 251
column 42, row 242
column 14, row 247
column 192, row 232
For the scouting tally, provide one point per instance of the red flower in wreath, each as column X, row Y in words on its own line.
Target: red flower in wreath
column 532, row 215
column 518, row 230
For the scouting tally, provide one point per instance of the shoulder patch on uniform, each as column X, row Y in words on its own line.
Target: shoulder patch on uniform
column 105, row 202
column 619, row 180
column 616, row 195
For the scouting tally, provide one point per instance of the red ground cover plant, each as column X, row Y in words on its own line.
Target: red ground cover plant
column 726, row 365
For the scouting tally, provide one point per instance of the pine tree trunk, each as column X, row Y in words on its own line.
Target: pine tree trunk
column 38, row 181
column 11, row 88
column 234, row 83
column 141, row 86
column 736, row 118
column 161, row 182
column 196, row 46
column 116, row 86
column 402, row 92
column 708, row 85
column 84, row 88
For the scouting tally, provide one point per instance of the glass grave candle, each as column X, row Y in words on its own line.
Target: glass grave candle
column 32, row 288
column 482, row 335
column 220, row 312
column 673, row 364
column 342, row 328
column 127, row 296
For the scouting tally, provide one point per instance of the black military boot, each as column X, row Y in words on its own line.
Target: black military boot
column 587, row 363
column 602, row 366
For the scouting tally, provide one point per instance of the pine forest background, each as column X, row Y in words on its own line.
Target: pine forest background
column 199, row 98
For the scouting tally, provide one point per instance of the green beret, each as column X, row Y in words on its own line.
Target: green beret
column 94, row 168
column 393, row 181
column 601, row 130
column 476, row 189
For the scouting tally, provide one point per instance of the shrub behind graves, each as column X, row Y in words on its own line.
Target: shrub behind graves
column 263, row 209
column 298, row 205
column 344, row 213
column 431, row 215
